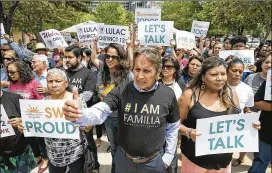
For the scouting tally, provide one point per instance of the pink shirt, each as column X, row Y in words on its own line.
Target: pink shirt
column 27, row 91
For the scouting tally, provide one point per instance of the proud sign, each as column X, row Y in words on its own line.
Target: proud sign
column 227, row 134
column 44, row 118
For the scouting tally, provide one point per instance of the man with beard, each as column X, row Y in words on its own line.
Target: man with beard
column 85, row 81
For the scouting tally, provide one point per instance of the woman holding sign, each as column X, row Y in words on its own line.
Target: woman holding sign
column 207, row 96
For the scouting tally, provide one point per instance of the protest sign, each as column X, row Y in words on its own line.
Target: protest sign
column 155, row 33
column 227, row 134
column 53, row 39
column 147, row 15
column 3, row 40
column 268, row 87
column 6, row 129
column 44, row 118
column 200, row 28
column 247, row 56
column 87, row 32
column 112, row 34
column 185, row 40
column 67, row 36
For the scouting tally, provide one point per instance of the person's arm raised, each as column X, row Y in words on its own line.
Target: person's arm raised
column 94, row 58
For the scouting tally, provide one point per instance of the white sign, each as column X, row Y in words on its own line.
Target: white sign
column 44, row 118
column 247, row 56
column 200, row 28
column 268, row 86
column 6, row 129
column 185, row 40
column 112, row 34
column 87, row 32
column 28, row 53
column 155, row 33
column 53, row 39
column 227, row 134
column 3, row 40
column 147, row 15
column 67, row 36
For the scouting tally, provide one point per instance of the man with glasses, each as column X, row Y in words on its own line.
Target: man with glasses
column 8, row 56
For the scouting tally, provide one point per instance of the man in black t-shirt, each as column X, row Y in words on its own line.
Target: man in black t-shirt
column 264, row 156
column 148, row 117
column 85, row 81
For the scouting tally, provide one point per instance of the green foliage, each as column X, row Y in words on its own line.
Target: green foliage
column 112, row 13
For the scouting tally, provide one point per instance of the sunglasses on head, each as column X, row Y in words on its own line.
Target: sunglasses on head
column 111, row 56
column 167, row 67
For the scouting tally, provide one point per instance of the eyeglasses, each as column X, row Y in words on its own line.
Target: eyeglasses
column 111, row 56
column 8, row 59
column 167, row 67
column 12, row 72
column 197, row 65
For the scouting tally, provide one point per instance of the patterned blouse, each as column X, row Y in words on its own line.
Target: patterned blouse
column 62, row 152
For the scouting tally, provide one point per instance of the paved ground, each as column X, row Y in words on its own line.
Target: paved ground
column 105, row 160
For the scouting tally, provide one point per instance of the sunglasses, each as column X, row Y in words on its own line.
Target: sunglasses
column 167, row 67
column 8, row 58
column 111, row 56
column 12, row 72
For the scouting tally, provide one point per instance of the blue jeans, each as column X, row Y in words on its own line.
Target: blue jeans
column 262, row 158
column 125, row 165
column 111, row 125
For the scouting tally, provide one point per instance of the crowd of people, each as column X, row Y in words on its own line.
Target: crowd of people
column 148, row 100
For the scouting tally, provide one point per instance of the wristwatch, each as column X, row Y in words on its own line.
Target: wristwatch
column 188, row 131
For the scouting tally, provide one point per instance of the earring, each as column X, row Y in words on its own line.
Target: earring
column 203, row 86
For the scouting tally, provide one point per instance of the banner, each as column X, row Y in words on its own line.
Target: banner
column 44, row 118
column 112, row 34
column 147, row 15
column 67, row 36
column 6, row 129
column 185, row 40
column 200, row 28
column 53, row 39
column 247, row 56
column 268, row 86
column 155, row 33
column 227, row 134
column 87, row 32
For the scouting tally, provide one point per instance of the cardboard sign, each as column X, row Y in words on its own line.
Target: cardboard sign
column 200, row 28
column 87, row 32
column 247, row 56
column 6, row 129
column 112, row 34
column 53, row 39
column 44, row 118
column 147, row 15
column 268, row 86
column 67, row 36
column 185, row 40
column 155, row 33
column 227, row 134
column 3, row 40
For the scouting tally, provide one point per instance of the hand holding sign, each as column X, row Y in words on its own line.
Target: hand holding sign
column 71, row 109
column 15, row 122
column 193, row 134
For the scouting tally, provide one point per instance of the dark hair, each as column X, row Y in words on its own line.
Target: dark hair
column 185, row 71
column 235, row 60
column 75, row 49
column 229, row 58
column 87, row 51
column 122, row 68
column 226, row 38
column 25, row 73
column 238, row 39
column 175, row 64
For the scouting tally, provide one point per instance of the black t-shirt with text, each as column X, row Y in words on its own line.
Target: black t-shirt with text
column 265, row 133
column 84, row 79
column 143, row 117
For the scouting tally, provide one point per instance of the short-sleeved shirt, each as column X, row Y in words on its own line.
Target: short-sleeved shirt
column 254, row 81
column 245, row 95
column 143, row 117
column 26, row 90
column 265, row 118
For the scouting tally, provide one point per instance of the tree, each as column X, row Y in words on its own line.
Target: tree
column 112, row 13
column 6, row 16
